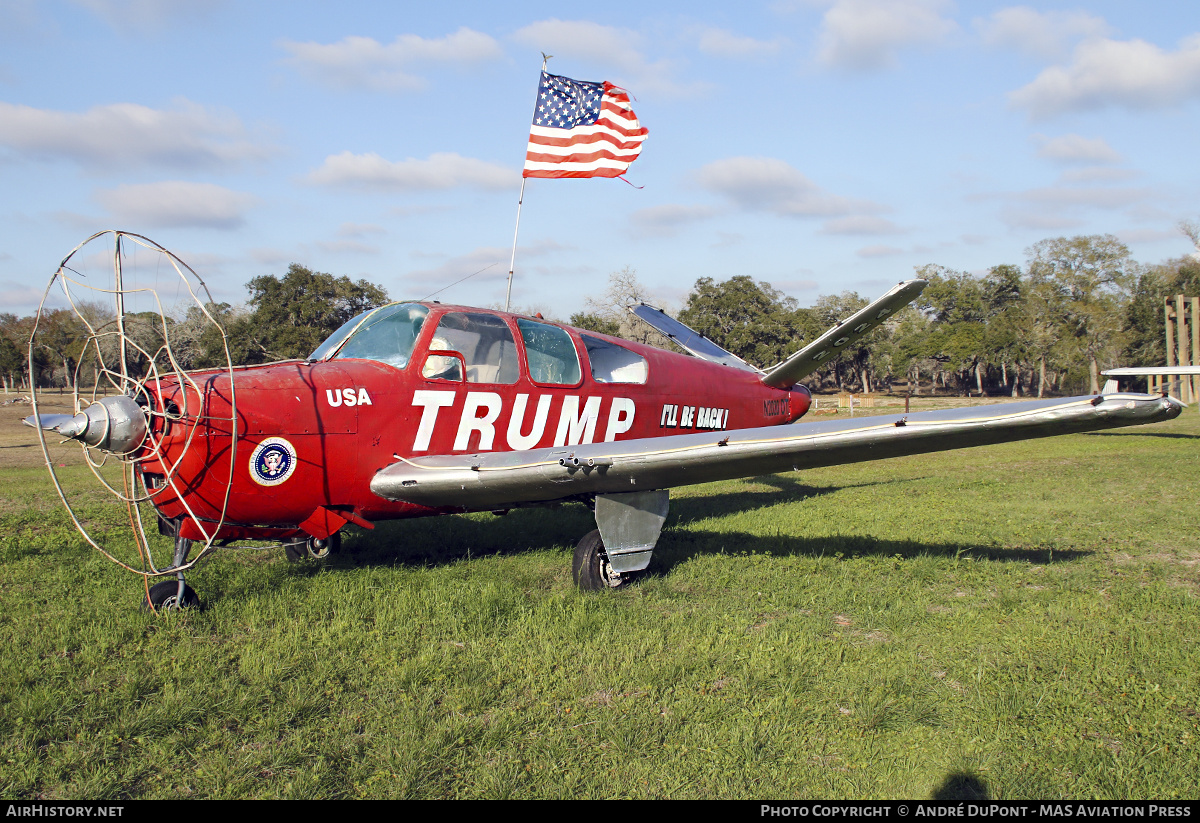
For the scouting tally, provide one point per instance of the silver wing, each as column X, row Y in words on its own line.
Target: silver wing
column 1162, row 371
column 497, row 480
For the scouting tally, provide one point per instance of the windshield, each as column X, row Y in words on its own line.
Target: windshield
column 385, row 334
column 334, row 340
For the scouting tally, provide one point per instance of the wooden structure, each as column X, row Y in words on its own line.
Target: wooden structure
column 1182, row 331
column 846, row 400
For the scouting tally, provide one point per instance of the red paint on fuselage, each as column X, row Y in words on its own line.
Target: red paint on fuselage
column 347, row 418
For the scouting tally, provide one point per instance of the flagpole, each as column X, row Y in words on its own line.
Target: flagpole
column 520, row 200
column 513, row 260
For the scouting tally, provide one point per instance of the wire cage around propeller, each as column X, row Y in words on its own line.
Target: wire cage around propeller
column 132, row 316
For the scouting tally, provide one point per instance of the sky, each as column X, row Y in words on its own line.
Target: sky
column 818, row 145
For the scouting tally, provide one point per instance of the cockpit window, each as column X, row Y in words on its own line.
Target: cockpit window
column 334, row 340
column 485, row 344
column 550, row 352
column 387, row 334
column 614, row 364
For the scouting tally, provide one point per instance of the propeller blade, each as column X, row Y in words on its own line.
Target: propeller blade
column 49, row 422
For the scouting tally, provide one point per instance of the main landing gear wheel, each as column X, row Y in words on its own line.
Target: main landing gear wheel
column 590, row 567
column 312, row 548
column 164, row 596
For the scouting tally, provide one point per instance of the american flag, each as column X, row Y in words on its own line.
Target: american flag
column 582, row 130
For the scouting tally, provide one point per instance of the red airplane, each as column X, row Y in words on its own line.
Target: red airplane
column 421, row 408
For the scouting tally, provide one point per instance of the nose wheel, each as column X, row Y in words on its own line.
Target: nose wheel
column 173, row 594
column 166, row 597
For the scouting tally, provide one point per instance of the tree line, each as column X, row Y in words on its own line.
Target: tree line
column 1078, row 305
column 284, row 317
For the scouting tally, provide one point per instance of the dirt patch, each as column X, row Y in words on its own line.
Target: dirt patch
column 19, row 443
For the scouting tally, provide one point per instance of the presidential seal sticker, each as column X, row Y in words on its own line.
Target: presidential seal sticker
column 273, row 461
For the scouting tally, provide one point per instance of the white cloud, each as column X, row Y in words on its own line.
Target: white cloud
column 865, row 34
column 1063, row 207
column 1096, row 174
column 364, row 62
column 1047, row 35
column 722, row 43
column 488, row 263
column 610, row 49
column 20, row 18
column 177, row 203
column 860, row 224
column 129, row 135
column 485, row 265
column 443, row 170
column 1064, row 197
column 359, row 229
column 271, row 256
column 666, row 220
column 148, row 14
column 1129, row 73
column 770, row 184
column 1073, row 148
column 879, row 251
column 346, row 247
column 1147, row 235
column 1039, row 221
column 794, row 285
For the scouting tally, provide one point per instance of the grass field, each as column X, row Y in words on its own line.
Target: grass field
column 1017, row 621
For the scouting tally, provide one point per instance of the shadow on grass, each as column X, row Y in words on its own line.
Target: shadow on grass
column 785, row 489
column 679, row 546
column 1169, row 435
column 961, row 786
column 434, row 541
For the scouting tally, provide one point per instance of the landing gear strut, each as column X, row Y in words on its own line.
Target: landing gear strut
column 173, row 594
column 618, row 550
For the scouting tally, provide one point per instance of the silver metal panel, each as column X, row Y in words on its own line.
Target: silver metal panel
column 484, row 482
column 830, row 344
column 629, row 526
column 688, row 339
column 1163, row 371
column 116, row 424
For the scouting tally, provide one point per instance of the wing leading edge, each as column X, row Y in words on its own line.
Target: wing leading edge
column 482, row 482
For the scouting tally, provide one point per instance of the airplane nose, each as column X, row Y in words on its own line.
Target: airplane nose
column 115, row 424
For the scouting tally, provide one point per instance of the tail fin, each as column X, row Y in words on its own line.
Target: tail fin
column 831, row 343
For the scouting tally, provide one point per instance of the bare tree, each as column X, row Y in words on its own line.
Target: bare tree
column 1192, row 229
column 624, row 289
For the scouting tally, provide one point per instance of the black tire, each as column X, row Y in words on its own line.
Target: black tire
column 300, row 548
column 589, row 567
column 164, row 594
column 294, row 550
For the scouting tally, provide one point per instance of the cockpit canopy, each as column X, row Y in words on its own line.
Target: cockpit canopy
column 479, row 347
column 386, row 334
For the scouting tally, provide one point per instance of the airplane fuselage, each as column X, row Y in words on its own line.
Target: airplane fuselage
column 310, row 435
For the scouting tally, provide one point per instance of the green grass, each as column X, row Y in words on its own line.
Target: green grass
column 1022, row 615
